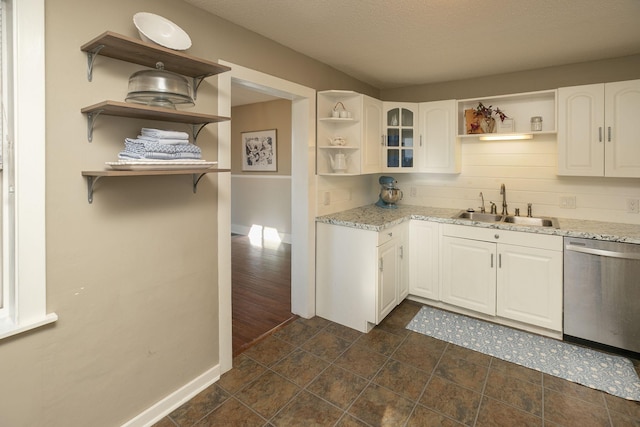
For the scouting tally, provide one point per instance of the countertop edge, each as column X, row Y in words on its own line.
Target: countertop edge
column 373, row 218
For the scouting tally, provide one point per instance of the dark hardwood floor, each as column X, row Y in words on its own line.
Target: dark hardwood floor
column 261, row 290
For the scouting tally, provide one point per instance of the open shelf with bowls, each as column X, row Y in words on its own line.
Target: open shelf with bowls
column 136, row 51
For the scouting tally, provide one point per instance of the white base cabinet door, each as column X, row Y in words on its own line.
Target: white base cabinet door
column 468, row 274
column 424, row 274
column 519, row 278
column 359, row 274
column 529, row 285
column 388, row 266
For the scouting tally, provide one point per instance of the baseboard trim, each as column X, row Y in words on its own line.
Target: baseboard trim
column 164, row 407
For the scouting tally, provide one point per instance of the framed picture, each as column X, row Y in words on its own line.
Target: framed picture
column 259, row 151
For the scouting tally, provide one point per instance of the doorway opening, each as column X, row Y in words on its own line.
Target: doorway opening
column 303, row 189
column 260, row 217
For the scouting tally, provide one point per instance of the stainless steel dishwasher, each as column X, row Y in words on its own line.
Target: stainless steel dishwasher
column 602, row 292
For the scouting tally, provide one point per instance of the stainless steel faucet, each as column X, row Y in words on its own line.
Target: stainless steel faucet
column 503, row 193
column 482, row 210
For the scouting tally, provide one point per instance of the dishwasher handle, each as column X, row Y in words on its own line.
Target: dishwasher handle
column 604, row 253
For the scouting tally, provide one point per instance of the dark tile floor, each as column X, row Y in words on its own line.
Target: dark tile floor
column 317, row 373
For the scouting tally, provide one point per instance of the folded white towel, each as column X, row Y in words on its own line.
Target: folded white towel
column 150, row 155
column 164, row 140
column 164, row 134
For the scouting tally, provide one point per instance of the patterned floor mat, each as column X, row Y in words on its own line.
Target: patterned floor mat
column 609, row 373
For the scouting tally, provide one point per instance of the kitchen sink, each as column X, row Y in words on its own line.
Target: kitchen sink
column 537, row 221
column 509, row 219
column 479, row 216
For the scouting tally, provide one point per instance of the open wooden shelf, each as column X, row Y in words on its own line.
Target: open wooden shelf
column 136, row 51
column 141, row 111
column 94, row 176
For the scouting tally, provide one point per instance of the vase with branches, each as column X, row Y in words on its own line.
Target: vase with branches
column 486, row 120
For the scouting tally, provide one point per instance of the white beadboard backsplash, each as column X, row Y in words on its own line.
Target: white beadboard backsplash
column 527, row 168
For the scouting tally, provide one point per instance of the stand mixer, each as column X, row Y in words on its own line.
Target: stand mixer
column 389, row 194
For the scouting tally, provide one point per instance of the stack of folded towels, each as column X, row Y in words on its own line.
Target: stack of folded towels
column 156, row 144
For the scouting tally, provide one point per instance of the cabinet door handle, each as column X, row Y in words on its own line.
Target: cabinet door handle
column 600, row 134
column 420, row 140
column 499, row 260
column 491, row 260
column 401, row 252
column 380, row 266
column 382, row 139
column 609, row 134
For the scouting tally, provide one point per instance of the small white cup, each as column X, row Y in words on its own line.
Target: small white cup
column 335, row 113
column 344, row 114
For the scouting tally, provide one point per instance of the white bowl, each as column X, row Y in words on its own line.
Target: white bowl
column 156, row 29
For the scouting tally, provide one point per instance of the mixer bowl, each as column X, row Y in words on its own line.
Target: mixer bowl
column 391, row 195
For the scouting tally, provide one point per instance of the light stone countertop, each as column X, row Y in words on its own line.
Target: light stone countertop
column 374, row 218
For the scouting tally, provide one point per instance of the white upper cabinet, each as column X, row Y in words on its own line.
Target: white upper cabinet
column 621, row 113
column 597, row 130
column 438, row 150
column 348, row 133
column 400, row 128
column 580, row 130
column 371, row 135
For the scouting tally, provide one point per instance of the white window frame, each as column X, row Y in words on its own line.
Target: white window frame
column 25, row 271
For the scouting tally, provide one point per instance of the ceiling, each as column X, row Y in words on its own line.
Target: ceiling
column 398, row 43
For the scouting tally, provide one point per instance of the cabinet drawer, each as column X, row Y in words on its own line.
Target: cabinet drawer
column 521, row 238
column 388, row 234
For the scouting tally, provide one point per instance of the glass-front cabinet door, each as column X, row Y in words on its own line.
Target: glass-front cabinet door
column 400, row 127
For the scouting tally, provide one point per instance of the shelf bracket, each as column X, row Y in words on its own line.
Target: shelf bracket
column 196, row 84
column 196, row 180
column 91, row 119
column 91, row 182
column 197, row 129
column 91, row 57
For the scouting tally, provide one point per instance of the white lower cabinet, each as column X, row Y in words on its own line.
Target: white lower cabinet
column 514, row 275
column 360, row 274
column 510, row 277
column 424, row 266
column 529, row 285
column 388, row 273
column 469, row 274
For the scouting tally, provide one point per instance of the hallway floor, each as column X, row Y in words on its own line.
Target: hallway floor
column 317, row 373
column 260, row 289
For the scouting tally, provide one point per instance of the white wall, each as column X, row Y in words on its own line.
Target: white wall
column 345, row 192
column 263, row 200
column 528, row 170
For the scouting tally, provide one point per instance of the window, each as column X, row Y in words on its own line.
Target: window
column 23, row 152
